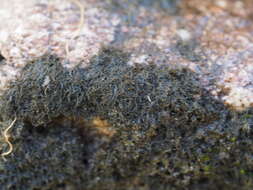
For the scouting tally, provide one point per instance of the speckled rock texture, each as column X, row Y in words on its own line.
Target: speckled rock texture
column 152, row 95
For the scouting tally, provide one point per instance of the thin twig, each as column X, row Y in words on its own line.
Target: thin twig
column 6, row 138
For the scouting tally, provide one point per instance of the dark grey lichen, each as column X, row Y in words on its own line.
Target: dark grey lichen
column 168, row 132
column 109, row 87
column 44, row 91
column 43, row 159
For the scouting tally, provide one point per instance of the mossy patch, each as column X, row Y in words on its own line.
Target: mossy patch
column 110, row 88
column 135, row 126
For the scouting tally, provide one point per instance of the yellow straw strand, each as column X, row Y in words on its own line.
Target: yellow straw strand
column 6, row 138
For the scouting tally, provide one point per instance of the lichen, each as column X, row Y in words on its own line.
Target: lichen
column 113, row 125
